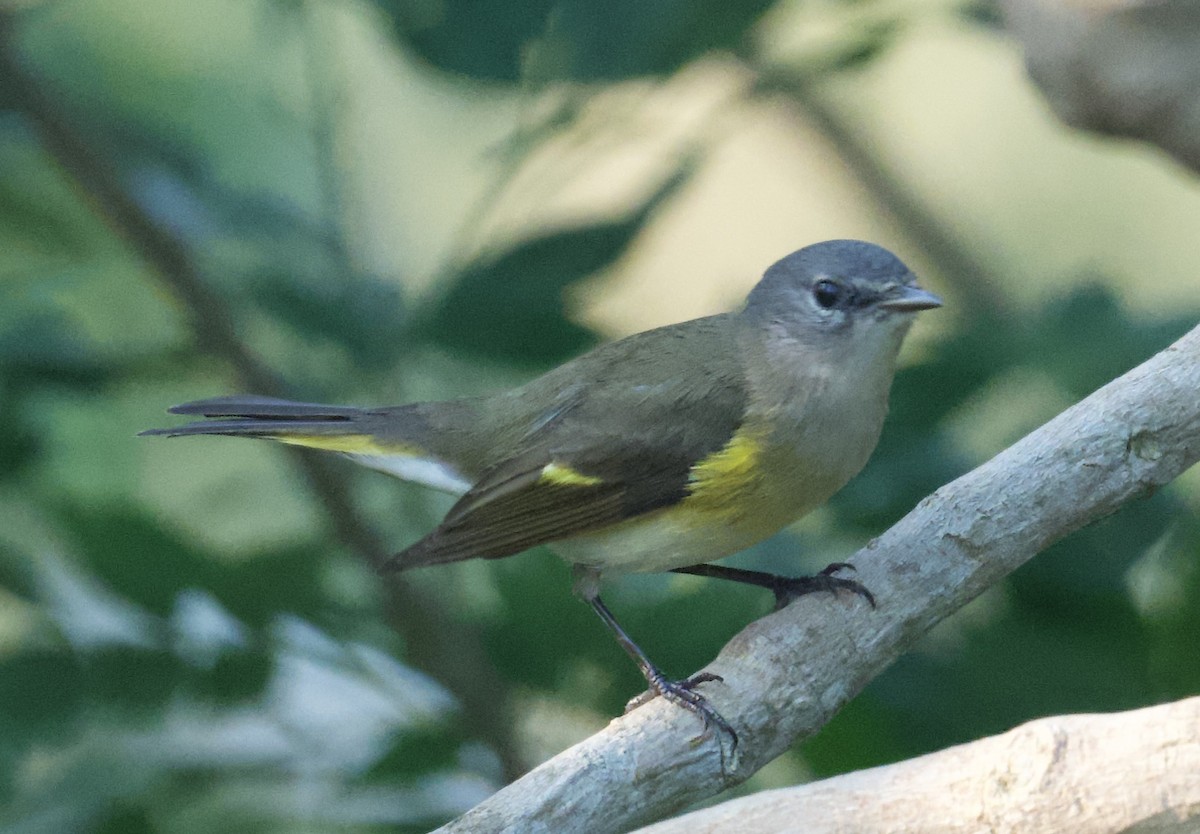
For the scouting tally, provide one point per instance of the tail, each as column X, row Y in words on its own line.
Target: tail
column 384, row 439
column 303, row 424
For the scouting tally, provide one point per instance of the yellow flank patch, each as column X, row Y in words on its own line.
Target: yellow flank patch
column 724, row 482
column 360, row 444
column 557, row 473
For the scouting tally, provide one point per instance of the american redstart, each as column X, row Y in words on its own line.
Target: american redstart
column 662, row 451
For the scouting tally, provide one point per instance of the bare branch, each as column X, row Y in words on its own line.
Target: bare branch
column 788, row 673
column 1087, row 774
column 1121, row 67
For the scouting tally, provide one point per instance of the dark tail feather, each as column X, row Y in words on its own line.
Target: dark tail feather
column 254, row 427
column 249, row 405
column 251, row 416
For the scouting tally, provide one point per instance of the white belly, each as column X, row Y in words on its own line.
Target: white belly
column 659, row 542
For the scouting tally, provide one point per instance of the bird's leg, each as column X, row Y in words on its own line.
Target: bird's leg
column 682, row 693
column 787, row 588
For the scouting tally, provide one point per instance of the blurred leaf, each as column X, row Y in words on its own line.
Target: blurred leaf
column 10, row 100
column 151, row 567
column 587, row 41
column 364, row 316
column 509, row 307
column 41, row 216
column 136, row 558
column 41, row 226
column 126, row 819
column 1073, row 338
column 18, row 575
column 540, row 611
column 18, row 442
column 902, row 472
column 862, row 734
column 42, row 691
column 868, row 43
column 42, row 348
column 569, row 39
column 1031, row 662
column 1088, row 570
column 132, row 679
column 419, row 750
column 1171, row 611
column 985, row 13
column 482, row 39
column 238, row 676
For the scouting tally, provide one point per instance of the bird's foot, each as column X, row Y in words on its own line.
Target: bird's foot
column 787, row 588
column 683, row 693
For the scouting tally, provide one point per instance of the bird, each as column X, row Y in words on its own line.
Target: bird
column 666, row 450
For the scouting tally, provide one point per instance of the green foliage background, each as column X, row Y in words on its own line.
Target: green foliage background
column 191, row 636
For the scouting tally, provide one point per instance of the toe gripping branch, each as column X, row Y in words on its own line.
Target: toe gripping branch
column 681, row 693
column 787, row 588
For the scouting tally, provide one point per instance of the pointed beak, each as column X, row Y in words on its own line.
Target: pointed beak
column 910, row 299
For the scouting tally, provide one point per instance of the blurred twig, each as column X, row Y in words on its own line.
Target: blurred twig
column 448, row 649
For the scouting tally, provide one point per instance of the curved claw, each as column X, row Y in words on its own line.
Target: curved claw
column 788, row 589
column 683, row 693
column 834, row 567
column 643, row 698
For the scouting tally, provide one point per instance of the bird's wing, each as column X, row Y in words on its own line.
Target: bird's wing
column 588, row 465
column 541, row 498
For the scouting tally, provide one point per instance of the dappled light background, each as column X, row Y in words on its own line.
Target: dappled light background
column 376, row 202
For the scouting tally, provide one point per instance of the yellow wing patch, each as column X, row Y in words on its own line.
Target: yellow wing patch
column 561, row 475
column 354, row 444
column 724, row 482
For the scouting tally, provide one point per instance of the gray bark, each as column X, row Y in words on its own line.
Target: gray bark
column 1083, row 774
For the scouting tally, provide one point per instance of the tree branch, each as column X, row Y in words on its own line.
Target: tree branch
column 1118, row 67
column 1090, row 774
column 788, row 673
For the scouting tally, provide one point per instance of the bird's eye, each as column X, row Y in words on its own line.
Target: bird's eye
column 827, row 293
